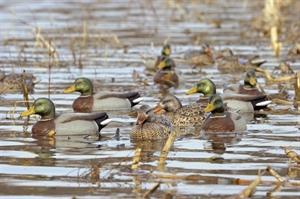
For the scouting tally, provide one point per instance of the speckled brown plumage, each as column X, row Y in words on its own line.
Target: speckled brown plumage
column 227, row 62
column 153, row 128
column 189, row 115
column 201, row 57
column 182, row 116
column 11, row 83
column 166, row 78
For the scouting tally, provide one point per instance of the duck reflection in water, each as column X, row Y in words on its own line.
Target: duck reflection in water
column 220, row 140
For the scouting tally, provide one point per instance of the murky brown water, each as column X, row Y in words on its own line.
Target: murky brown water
column 111, row 40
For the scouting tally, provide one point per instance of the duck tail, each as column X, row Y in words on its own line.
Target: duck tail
column 261, row 103
column 134, row 98
column 257, row 61
column 102, row 121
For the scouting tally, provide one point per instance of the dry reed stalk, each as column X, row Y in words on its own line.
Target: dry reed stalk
column 277, row 188
column 41, row 42
column 250, row 189
column 276, row 45
column 176, row 177
column 152, row 190
column 25, row 91
column 136, row 158
column 165, row 151
column 84, row 34
column 271, row 80
column 292, row 155
column 297, row 91
column 49, row 69
column 281, row 101
column 273, row 19
column 275, row 174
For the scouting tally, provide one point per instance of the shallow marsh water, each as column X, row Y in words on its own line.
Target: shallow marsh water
column 109, row 41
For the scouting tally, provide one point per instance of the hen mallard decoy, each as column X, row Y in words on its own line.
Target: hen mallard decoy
column 166, row 76
column 11, row 83
column 235, row 102
column 200, row 58
column 64, row 124
column 150, row 126
column 180, row 116
column 227, row 62
column 90, row 102
column 220, row 120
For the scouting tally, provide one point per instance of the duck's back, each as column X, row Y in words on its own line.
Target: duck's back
column 76, row 124
column 189, row 115
column 158, row 127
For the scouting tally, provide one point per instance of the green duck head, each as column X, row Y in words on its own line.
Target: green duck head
column 204, row 86
column 43, row 107
column 215, row 105
column 82, row 85
column 250, row 79
column 166, row 50
column 165, row 64
column 169, row 103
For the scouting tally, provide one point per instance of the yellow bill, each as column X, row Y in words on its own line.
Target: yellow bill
column 161, row 65
column 167, row 51
column 71, row 89
column 252, row 81
column 210, row 107
column 191, row 91
column 30, row 111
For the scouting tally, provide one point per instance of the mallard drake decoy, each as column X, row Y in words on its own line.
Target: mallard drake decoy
column 90, row 102
column 200, row 58
column 206, row 87
column 236, row 102
column 11, row 83
column 64, row 124
column 166, row 76
column 227, row 62
column 165, row 52
column 150, row 126
column 180, row 116
column 249, row 87
column 220, row 120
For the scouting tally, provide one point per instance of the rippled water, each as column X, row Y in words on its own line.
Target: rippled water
column 121, row 36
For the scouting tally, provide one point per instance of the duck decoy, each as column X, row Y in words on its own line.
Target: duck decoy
column 89, row 101
column 249, row 87
column 64, row 124
column 235, row 102
column 166, row 76
column 150, row 126
column 200, row 58
column 165, row 52
column 13, row 82
column 220, row 120
column 227, row 62
column 180, row 116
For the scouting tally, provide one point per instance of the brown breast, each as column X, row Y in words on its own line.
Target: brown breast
column 218, row 124
column 83, row 104
column 168, row 78
column 41, row 128
column 249, row 91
